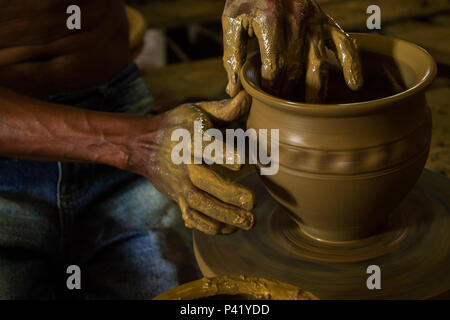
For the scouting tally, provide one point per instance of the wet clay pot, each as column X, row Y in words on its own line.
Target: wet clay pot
column 236, row 288
column 345, row 165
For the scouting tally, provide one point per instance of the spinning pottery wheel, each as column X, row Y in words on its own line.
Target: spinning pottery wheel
column 412, row 251
column 350, row 191
column 236, row 287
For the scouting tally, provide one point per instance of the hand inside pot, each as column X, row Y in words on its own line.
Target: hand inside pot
column 293, row 36
column 209, row 202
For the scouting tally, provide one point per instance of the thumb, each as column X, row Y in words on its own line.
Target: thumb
column 228, row 110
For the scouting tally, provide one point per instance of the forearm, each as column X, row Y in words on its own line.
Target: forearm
column 37, row 130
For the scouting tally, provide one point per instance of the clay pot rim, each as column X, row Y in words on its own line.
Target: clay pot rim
column 348, row 109
column 230, row 285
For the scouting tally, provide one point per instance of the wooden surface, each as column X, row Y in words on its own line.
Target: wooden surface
column 169, row 14
column 439, row 100
column 191, row 81
column 352, row 15
column 431, row 35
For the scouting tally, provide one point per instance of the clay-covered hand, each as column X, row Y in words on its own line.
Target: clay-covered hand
column 209, row 202
column 293, row 36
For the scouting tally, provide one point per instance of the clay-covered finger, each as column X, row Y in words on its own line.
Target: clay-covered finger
column 269, row 32
column 235, row 51
column 346, row 51
column 194, row 219
column 229, row 109
column 228, row 191
column 316, row 82
column 219, row 210
column 225, row 155
column 294, row 67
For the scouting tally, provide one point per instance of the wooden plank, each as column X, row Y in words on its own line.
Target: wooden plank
column 191, row 81
column 439, row 159
column 434, row 38
column 351, row 14
column 169, row 14
column 442, row 20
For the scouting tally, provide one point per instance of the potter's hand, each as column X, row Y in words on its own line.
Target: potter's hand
column 208, row 202
column 293, row 35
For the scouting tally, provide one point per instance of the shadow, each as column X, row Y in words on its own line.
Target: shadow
column 383, row 77
column 279, row 191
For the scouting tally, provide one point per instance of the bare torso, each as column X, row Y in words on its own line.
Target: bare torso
column 40, row 56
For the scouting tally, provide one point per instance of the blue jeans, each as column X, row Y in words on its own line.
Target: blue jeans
column 127, row 238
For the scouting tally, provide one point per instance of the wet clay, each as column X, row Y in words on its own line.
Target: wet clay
column 293, row 36
column 209, row 202
column 252, row 288
column 338, row 161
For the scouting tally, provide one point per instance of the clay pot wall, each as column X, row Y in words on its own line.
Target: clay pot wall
column 344, row 168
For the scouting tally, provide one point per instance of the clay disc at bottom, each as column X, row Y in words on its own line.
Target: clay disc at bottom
column 413, row 251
